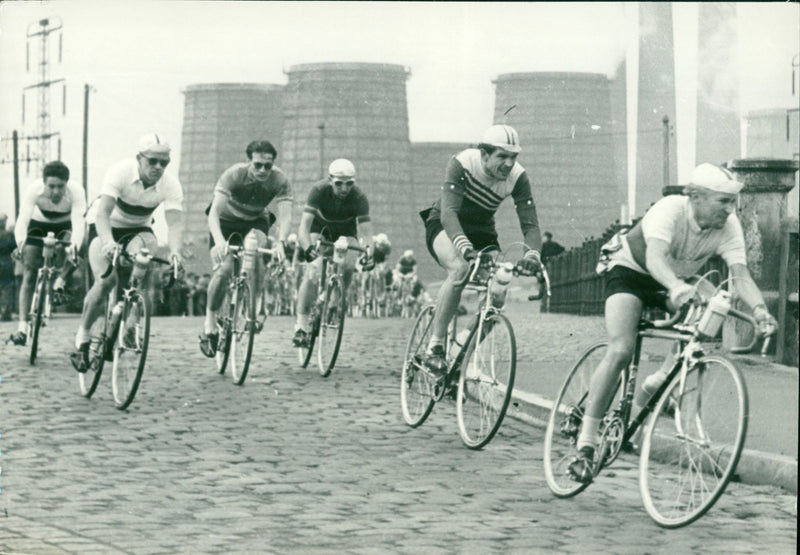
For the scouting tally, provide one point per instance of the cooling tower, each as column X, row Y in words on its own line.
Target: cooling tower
column 566, row 133
column 356, row 111
column 219, row 120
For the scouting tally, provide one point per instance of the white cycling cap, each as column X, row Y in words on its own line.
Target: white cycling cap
column 716, row 179
column 342, row 168
column 409, row 253
column 502, row 136
column 153, row 143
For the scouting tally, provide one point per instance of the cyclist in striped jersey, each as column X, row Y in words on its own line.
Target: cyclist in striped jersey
column 461, row 221
column 132, row 189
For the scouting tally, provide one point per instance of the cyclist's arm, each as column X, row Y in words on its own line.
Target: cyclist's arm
column 304, row 231
column 526, row 213
column 175, row 224
column 213, row 219
column 78, row 213
column 285, row 219
column 24, row 218
column 657, row 257
column 745, row 287
column 365, row 232
column 452, row 196
column 102, row 223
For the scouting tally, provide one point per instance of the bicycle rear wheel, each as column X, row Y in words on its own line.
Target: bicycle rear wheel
column 243, row 333
column 486, row 381
column 331, row 326
column 130, row 349
column 87, row 381
column 37, row 314
column 564, row 423
column 692, row 442
column 416, row 385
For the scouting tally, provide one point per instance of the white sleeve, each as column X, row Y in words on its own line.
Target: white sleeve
column 173, row 193
column 660, row 220
column 732, row 248
column 25, row 213
column 78, row 212
column 113, row 181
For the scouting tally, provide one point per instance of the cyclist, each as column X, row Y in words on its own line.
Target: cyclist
column 462, row 220
column 335, row 208
column 131, row 191
column 290, row 248
column 406, row 267
column 55, row 204
column 239, row 206
column 647, row 266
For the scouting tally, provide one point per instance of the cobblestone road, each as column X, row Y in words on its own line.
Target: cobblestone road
column 292, row 462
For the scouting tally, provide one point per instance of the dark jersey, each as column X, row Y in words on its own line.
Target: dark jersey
column 334, row 217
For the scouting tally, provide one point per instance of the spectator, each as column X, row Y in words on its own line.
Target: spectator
column 549, row 247
column 7, row 285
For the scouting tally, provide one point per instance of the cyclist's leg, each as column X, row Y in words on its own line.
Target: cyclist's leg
column 307, row 292
column 450, row 291
column 62, row 262
column 349, row 266
column 622, row 313
column 95, row 298
column 32, row 260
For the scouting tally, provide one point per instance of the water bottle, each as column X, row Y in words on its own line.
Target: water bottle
column 716, row 311
column 340, row 250
column 500, row 281
column 49, row 244
column 250, row 249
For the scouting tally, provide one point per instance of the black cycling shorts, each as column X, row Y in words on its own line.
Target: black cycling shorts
column 620, row 279
column 122, row 235
column 240, row 228
column 37, row 230
column 480, row 237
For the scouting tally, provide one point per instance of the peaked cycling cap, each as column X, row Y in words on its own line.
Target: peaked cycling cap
column 716, row 179
column 153, row 143
column 342, row 168
column 502, row 136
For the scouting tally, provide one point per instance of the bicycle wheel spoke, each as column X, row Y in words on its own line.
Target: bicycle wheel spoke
column 242, row 335
column 486, row 382
column 416, row 386
column 130, row 349
column 689, row 457
column 331, row 326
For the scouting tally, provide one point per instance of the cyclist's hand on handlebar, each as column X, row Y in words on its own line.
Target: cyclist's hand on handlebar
column 767, row 325
column 530, row 263
column 218, row 253
column 280, row 251
column 470, row 254
column 108, row 249
column 310, row 253
column 16, row 254
column 71, row 251
column 681, row 294
column 367, row 263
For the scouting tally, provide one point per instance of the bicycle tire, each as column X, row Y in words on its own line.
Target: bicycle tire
column 88, row 381
column 331, row 326
column 130, row 348
column 37, row 314
column 225, row 334
column 486, row 381
column 416, row 385
column 678, row 449
column 563, row 424
column 242, row 333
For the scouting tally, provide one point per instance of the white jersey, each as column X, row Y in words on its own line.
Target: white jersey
column 134, row 203
column 36, row 206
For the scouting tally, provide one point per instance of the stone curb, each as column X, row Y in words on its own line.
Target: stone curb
column 755, row 467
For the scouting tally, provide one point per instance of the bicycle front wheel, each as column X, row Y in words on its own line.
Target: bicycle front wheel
column 130, row 349
column 416, row 385
column 87, row 381
column 225, row 333
column 331, row 327
column 692, row 442
column 243, row 333
column 564, row 423
column 37, row 314
column 486, row 381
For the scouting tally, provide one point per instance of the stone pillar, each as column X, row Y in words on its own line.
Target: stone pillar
column 762, row 209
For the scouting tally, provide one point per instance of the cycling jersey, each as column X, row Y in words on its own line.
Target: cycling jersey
column 473, row 197
column 406, row 265
column 246, row 198
column 37, row 211
column 334, row 216
column 134, row 203
column 671, row 220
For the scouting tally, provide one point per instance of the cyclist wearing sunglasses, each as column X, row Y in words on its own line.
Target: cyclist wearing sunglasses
column 461, row 221
column 335, row 208
column 55, row 204
column 240, row 202
column 131, row 191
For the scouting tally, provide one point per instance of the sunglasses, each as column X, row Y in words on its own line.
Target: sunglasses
column 157, row 162
column 339, row 182
column 264, row 165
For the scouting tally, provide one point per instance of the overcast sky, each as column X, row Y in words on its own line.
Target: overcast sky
column 139, row 55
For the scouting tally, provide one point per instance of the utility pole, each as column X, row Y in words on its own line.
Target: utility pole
column 46, row 27
column 15, row 139
column 86, row 89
